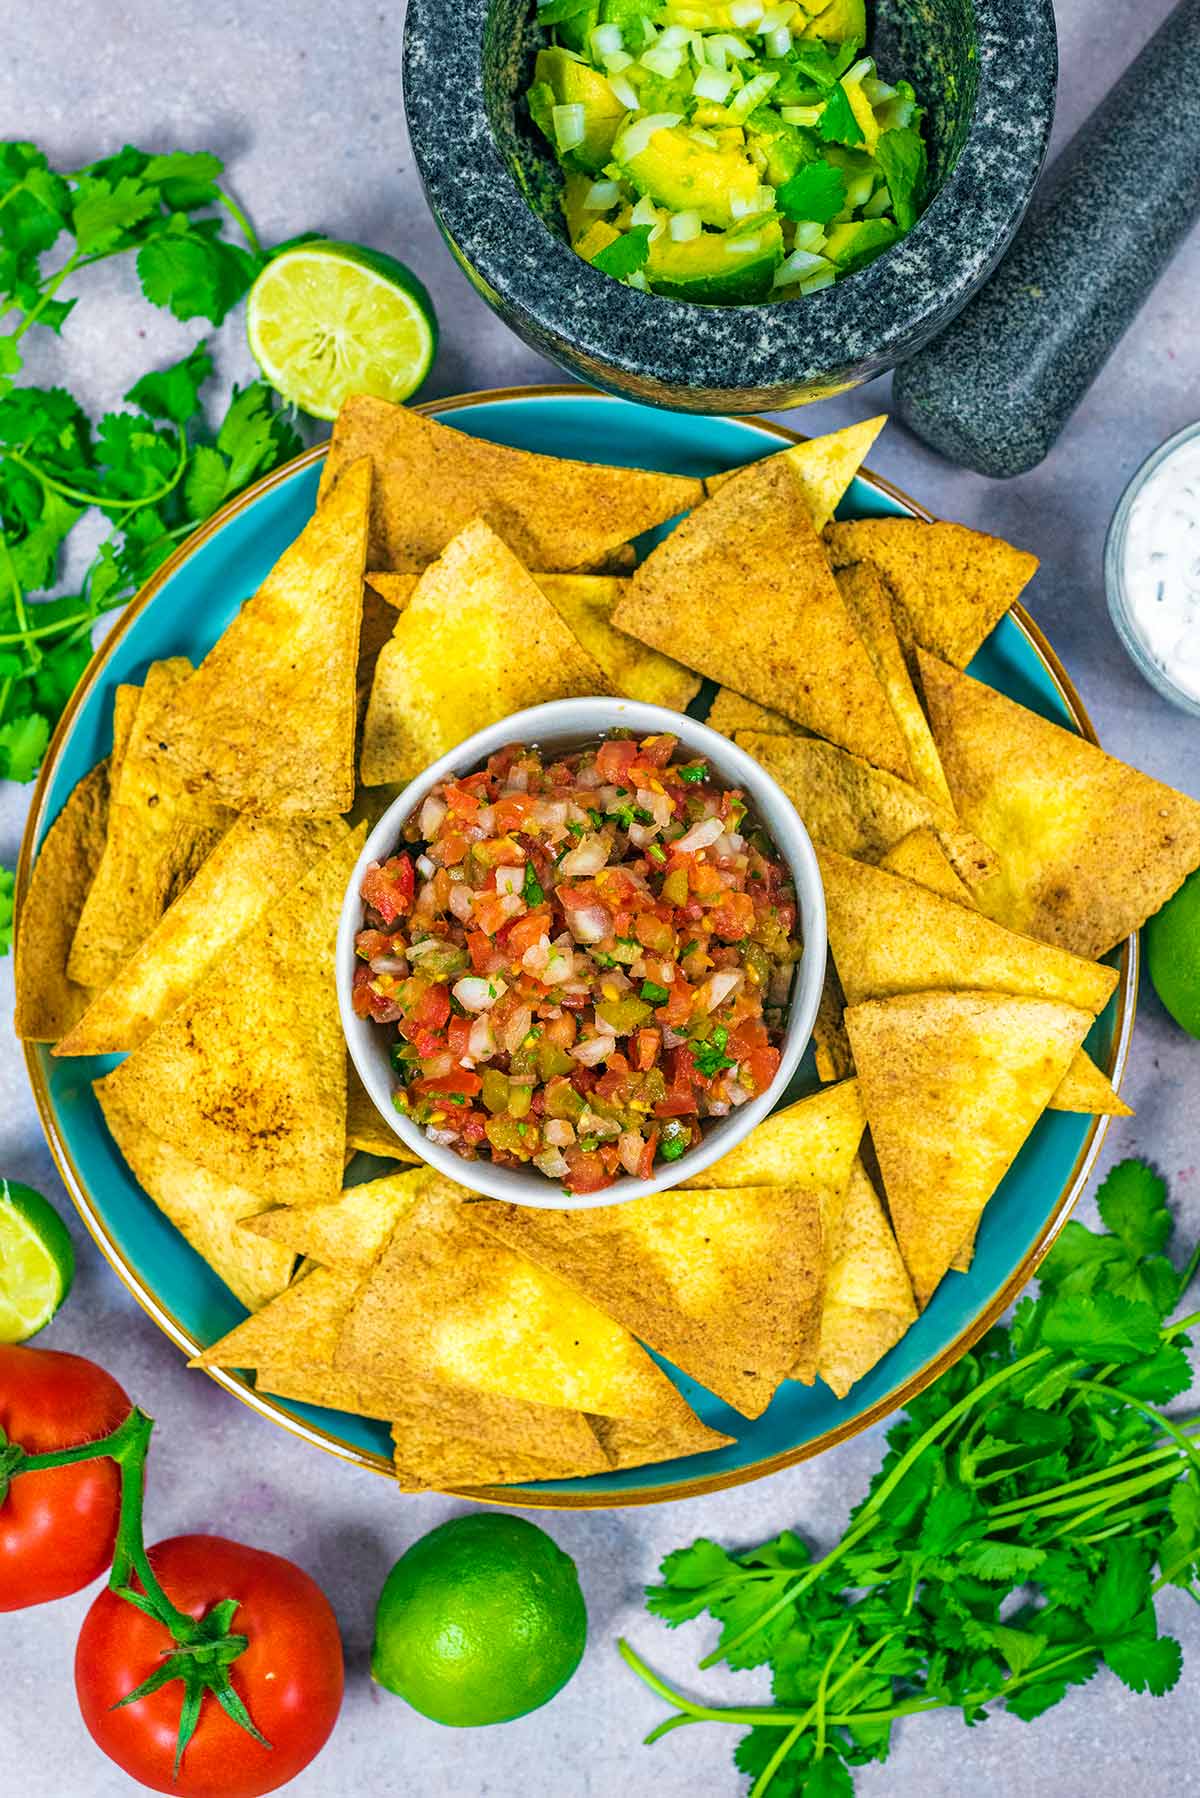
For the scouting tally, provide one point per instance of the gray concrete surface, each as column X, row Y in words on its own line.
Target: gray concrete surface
column 304, row 101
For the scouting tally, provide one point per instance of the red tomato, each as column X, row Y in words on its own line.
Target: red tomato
column 681, row 1095
column 587, row 1172
column 388, row 889
column 289, row 1677
column 614, row 759
column 524, row 932
column 750, row 1046
column 57, row 1527
column 732, row 917
column 463, row 1081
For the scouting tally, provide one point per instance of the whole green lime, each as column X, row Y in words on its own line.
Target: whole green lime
column 1172, row 939
column 481, row 1621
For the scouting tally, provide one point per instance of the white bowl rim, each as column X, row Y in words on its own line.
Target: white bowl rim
column 589, row 719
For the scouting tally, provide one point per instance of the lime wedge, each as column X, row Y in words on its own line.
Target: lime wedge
column 37, row 1262
column 329, row 319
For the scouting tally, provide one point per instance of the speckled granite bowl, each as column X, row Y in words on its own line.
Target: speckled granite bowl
column 986, row 69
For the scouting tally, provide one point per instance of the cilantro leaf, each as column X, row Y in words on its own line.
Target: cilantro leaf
column 174, row 393
column 22, row 744
column 194, row 275
column 531, row 887
column 902, row 156
column 206, row 482
column 625, row 254
column 104, row 210
column 817, row 191
column 837, row 123
column 1100, row 1327
column 1132, row 1202
column 1145, row 1663
column 6, row 910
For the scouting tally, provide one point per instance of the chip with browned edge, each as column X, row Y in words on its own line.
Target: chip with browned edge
column 48, row 1002
column 1088, row 847
column 249, row 870
column 741, row 590
column 248, row 1076
column 919, row 856
column 431, row 480
column 811, row 1144
column 204, row 1208
column 952, row 1084
column 723, row 1282
column 267, row 721
column 351, row 1230
column 868, row 1301
column 731, row 712
column 950, row 585
column 158, row 835
column 867, row 602
column 823, row 467
column 477, row 640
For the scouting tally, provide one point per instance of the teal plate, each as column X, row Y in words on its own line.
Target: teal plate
column 180, row 612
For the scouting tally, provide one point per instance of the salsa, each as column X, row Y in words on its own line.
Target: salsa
column 580, row 957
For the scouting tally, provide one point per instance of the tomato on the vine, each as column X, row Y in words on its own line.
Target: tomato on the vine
column 289, row 1674
column 57, row 1525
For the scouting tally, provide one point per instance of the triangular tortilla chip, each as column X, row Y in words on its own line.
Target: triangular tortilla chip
column 868, row 1301
column 248, row 1076
column 350, row 1231
column 158, row 835
column 920, row 857
column 267, row 721
column 256, row 862
column 454, row 1441
column 723, row 1283
column 952, row 1084
column 831, row 1045
column 299, row 1328
column 48, row 1002
column 867, row 602
column 585, row 603
column 848, row 805
column 950, row 585
column 477, row 641
column 811, row 1144
column 365, row 1129
column 1088, row 847
column 742, row 591
column 1084, row 1088
column 888, row 935
column 204, row 1209
column 448, row 1302
column 731, row 712
column 633, row 1442
column 824, row 466
column 431, row 480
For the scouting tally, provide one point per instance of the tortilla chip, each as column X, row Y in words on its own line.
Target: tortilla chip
column 824, row 467
column 721, row 1282
column 742, row 591
column 731, row 712
column 445, row 1301
column 952, row 1084
column 376, row 626
column 920, row 857
column 350, row 1231
column 48, row 1002
column 1088, row 847
column 1084, row 1088
column 585, row 603
column 633, row 1442
column 440, row 1448
column 811, row 1144
column 858, row 810
column 248, row 1076
column 365, row 1129
column 868, row 1302
column 157, row 836
column 257, row 861
column 267, row 722
column 867, row 602
column 431, row 480
column 477, row 640
column 297, row 1329
column 831, row 1045
column 950, row 585
column 204, row 1209
column 888, row 935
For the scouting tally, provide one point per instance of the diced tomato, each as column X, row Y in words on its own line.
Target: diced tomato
column 749, row 1045
column 678, row 1008
column 388, row 887
column 646, row 1164
column 656, row 752
column 463, row 796
column 522, row 933
column 610, row 1155
column 586, row 1172
column 370, row 943
column 616, row 888
column 480, row 949
column 732, row 917
column 646, row 1046
column 491, row 912
column 432, row 1008
column 450, row 849
column 614, row 759
column 681, row 1095
column 459, row 1035
column 514, row 812
column 472, row 1126
column 368, row 1003
column 654, row 933
column 704, row 880
column 462, row 1080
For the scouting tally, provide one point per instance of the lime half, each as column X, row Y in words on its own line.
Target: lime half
column 37, row 1262
column 329, row 319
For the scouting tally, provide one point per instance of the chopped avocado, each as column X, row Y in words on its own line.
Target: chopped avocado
column 597, row 237
column 574, row 83
column 862, row 109
column 851, row 246
column 576, row 188
column 843, row 22
column 685, row 176
column 706, row 270
column 787, row 148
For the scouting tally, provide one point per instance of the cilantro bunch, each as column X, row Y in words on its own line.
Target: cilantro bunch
column 1032, row 1504
column 153, row 471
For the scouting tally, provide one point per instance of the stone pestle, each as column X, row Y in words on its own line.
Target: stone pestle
column 994, row 391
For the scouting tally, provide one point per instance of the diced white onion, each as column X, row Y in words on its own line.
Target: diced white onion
column 461, row 901
column 859, row 190
column 777, row 42
column 815, row 283
column 593, row 1050
column 662, row 62
column 605, row 40
column 598, row 198
column 642, row 835
column 801, row 115
column 425, row 868
column 675, row 37
column 700, row 136
column 738, row 1094
column 510, row 879
column 589, row 923
column 775, row 16
column 633, row 139
column 700, row 836
column 727, row 846
column 481, row 1044
column 631, row 1149
column 684, row 226
column 616, row 62
column 860, row 70
column 672, row 1039
column 624, row 90
column 745, row 14
column 592, row 1124
column 589, row 855
column 744, row 246
column 551, row 1163
column 732, row 44
column 432, row 813
column 646, row 213
column 718, row 986
column 713, row 84
column 559, row 1132
column 444, row 1137
column 517, row 1029
column 809, row 235
column 436, row 1067
column 537, row 955
column 877, row 91
column 754, row 92
column 477, row 992
column 570, row 127
column 559, row 968
column 799, row 266
column 388, row 964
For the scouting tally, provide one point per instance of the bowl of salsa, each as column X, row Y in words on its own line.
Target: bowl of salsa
column 581, row 955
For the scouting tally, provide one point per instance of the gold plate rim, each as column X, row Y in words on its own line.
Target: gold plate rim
column 268, row 1407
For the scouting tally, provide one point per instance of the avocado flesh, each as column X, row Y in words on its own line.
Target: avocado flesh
column 595, row 238
column 701, row 269
column 845, row 21
column 684, row 176
column 852, row 245
column 574, row 84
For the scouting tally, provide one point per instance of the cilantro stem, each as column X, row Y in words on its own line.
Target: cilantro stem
column 54, row 485
column 236, row 213
column 777, row 1759
column 823, row 1688
column 916, row 1707
column 1055, row 1500
column 18, row 599
column 1183, row 1323
column 1186, row 1443
column 48, row 292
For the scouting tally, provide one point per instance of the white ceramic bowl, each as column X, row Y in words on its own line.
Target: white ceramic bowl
column 568, row 724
